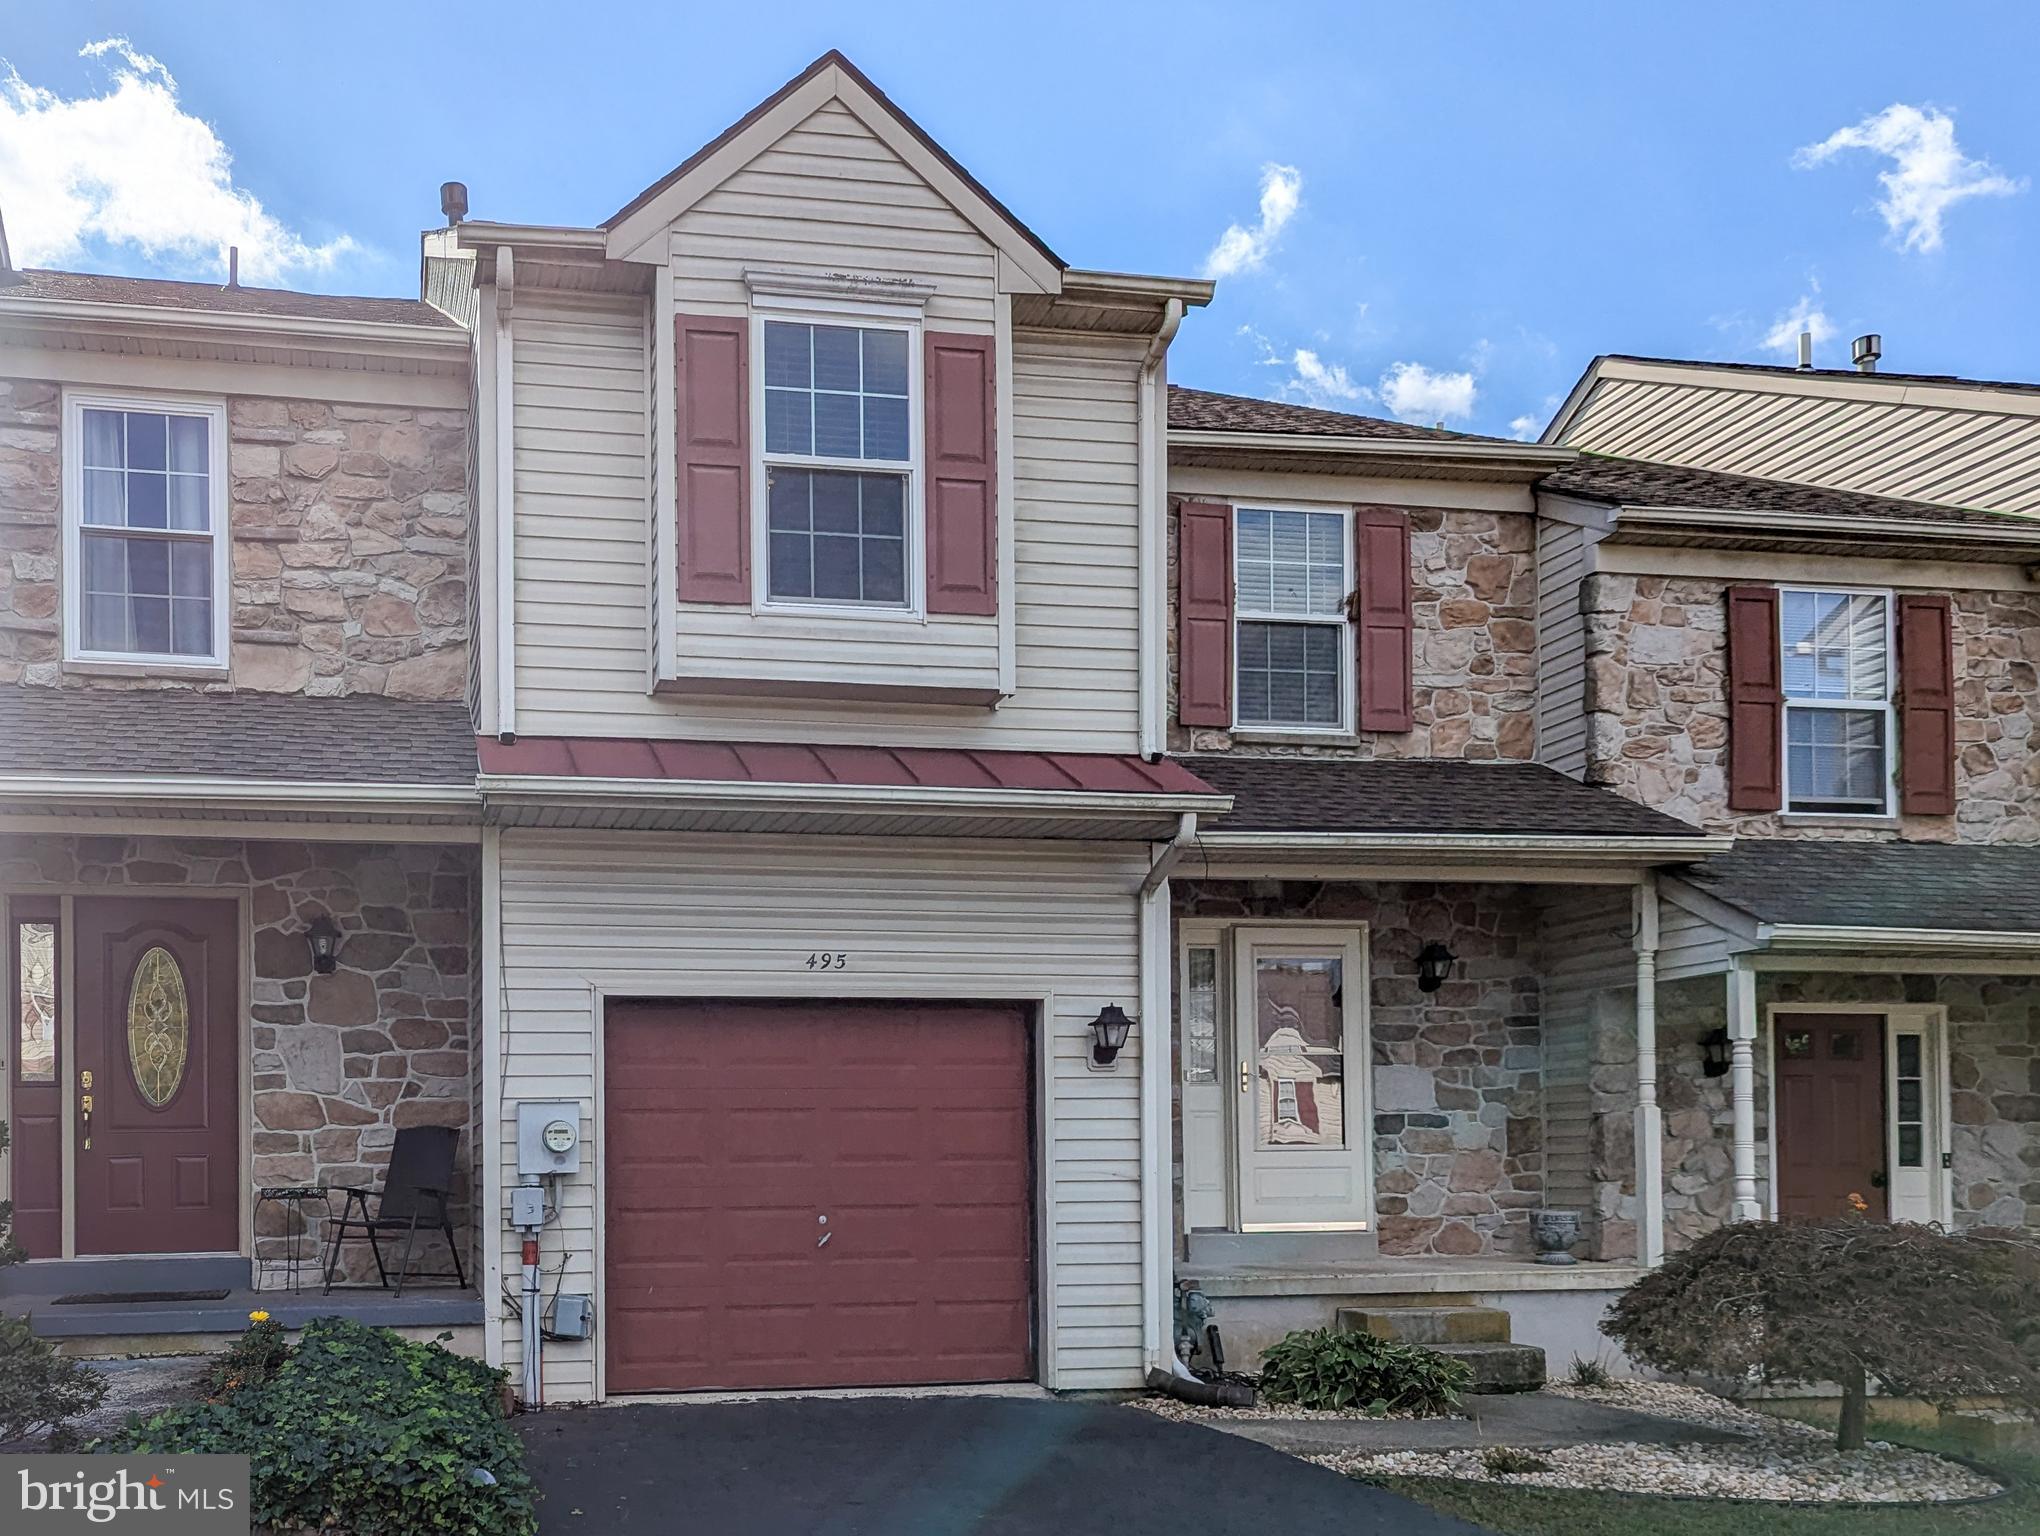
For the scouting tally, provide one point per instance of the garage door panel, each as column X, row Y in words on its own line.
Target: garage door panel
column 735, row 1127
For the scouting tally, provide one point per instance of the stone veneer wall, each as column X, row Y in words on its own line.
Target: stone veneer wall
column 350, row 546
column 1657, row 712
column 1994, row 1071
column 340, row 1063
column 1458, row 1127
column 1474, row 654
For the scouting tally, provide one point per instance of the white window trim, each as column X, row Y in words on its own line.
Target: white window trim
column 864, row 316
column 76, row 403
column 1886, row 780
column 1347, row 688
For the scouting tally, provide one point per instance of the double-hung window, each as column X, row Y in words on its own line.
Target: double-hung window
column 838, row 463
column 145, row 531
column 1292, row 643
column 1839, row 723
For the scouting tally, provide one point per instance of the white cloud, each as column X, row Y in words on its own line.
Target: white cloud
column 130, row 167
column 1525, row 429
column 1319, row 381
column 1806, row 315
column 1414, row 393
column 1929, row 173
column 1243, row 250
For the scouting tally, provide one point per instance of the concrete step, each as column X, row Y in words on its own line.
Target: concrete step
column 1428, row 1325
column 1499, row 1367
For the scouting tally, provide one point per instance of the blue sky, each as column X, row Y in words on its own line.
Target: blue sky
column 1465, row 202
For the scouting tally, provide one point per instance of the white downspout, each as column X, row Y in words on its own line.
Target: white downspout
column 504, row 512
column 1649, row 1127
column 1157, row 1176
column 1151, row 402
column 1742, row 1044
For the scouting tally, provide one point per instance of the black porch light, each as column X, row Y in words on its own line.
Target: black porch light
column 1716, row 1054
column 1108, row 1034
column 1434, row 964
column 323, row 940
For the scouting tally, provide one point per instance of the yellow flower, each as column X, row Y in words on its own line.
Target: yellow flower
column 258, row 1317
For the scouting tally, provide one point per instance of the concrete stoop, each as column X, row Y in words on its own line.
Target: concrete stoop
column 1476, row 1336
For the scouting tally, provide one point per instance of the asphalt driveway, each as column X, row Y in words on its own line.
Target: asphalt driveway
column 931, row 1466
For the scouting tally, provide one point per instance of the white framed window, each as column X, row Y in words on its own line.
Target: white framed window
column 145, row 530
column 838, row 463
column 1836, row 650
column 1292, row 643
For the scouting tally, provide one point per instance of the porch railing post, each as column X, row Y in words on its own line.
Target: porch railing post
column 1649, row 1126
column 1742, row 1042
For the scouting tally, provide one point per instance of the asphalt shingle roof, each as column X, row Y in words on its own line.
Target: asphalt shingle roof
column 1202, row 410
column 356, row 739
column 1321, row 794
column 1991, row 888
column 1639, row 483
column 159, row 293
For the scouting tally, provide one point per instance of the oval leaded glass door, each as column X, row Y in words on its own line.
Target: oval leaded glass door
column 158, row 1027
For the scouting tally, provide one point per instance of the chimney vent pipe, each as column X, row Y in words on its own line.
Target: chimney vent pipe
column 1866, row 350
column 1806, row 349
column 233, row 266
column 453, row 201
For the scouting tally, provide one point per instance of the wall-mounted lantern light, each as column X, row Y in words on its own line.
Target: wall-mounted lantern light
column 1715, row 1053
column 1434, row 964
column 1108, row 1034
column 323, row 940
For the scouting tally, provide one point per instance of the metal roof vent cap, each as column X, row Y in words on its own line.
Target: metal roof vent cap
column 453, row 201
column 1866, row 350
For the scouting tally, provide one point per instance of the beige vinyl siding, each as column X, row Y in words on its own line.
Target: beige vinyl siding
column 1589, row 981
column 832, row 197
column 1689, row 944
column 668, row 916
column 1965, row 447
column 1561, row 648
column 583, row 501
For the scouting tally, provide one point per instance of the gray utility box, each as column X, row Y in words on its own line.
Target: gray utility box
column 548, row 1138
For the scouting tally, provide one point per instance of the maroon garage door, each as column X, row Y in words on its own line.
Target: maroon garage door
column 817, row 1194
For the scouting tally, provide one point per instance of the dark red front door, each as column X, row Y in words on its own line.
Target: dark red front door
column 158, row 1006
column 810, row 1195
column 1830, row 1113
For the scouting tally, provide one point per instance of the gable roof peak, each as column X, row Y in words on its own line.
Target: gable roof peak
column 832, row 76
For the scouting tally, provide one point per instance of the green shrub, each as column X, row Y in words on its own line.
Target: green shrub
column 250, row 1360
column 1327, row 1369
column 361, row 1430
column 1508, row 1461
column 1588, row 1373
column 40, row 1388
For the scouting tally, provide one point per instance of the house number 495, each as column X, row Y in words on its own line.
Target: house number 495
column 824, row 961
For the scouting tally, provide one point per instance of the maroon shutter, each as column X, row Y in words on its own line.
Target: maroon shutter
column 1382, row 617
column 711, row 387
column 1926, row 705
column 1204, row 613
column 1756, row 700
column 962, row 450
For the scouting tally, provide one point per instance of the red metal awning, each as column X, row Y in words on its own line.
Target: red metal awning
column 751, row 762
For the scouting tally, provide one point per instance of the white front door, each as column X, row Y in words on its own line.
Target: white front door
column 1304, row 1118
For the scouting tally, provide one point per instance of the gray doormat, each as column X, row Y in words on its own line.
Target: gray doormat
column 106, row 1298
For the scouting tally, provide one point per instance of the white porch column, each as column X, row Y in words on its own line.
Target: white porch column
column 1649, row 1127
column 1158, row 1252
column 1742, row 1043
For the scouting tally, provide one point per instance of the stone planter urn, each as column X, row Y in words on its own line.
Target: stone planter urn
column 1555, row 1232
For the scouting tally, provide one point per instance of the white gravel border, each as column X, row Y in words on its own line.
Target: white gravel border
column 1194, row 1413
column 1778, row 1460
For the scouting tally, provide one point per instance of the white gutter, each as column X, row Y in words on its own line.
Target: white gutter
column 231, row 324
column 1798, row 937
column 1532, row 457
column 1171, row 854
column 2012, row 528
column 191, row 789
column 1151, row 395
column 1466, row 844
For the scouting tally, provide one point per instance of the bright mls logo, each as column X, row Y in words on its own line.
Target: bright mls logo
column 160, row 1495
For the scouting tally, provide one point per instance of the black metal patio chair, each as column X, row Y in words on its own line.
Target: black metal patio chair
column 416, row 1195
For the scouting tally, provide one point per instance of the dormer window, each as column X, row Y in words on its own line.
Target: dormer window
column 839, row 462
column 145, row 516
